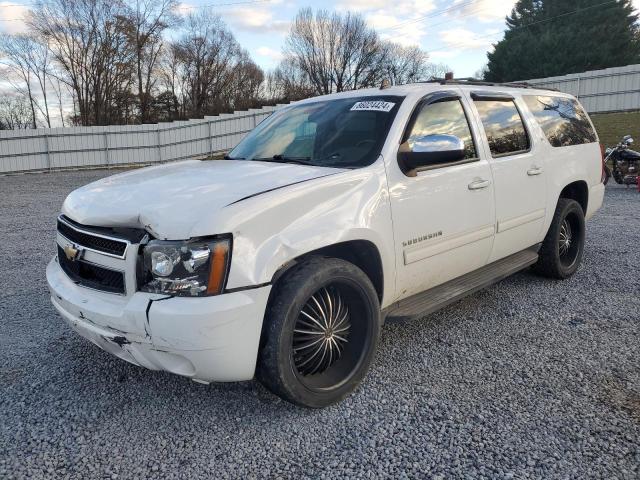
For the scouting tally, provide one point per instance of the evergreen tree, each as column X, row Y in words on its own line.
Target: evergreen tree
column 545, row 38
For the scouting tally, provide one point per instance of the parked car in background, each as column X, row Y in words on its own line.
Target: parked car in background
column 336, row 212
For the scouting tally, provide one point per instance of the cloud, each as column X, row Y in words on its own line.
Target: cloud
column 270, row 53
column 412, row 8
column 463, row 39
column 484, row 10
column 11, row 16
column 403, row 23
column 395, row 29
column 256, row 20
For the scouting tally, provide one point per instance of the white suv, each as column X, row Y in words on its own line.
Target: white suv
column 283, row 260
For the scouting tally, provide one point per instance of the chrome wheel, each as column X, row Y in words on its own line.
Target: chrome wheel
column 565, row 238
column 321, row 333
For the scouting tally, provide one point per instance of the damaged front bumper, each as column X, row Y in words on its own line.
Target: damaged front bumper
column 208, row 339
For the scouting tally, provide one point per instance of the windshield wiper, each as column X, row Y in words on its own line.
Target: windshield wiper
column 284, row 159
column 227, row 157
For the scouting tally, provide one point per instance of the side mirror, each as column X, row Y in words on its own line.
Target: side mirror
column 627, row 139
column 430, row 150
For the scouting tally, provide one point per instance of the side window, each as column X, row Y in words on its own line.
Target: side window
column 444, row 118
column 504, row 126
column 563, row 120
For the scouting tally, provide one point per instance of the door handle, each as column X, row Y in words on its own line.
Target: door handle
column 533, row 171
column 479, row 184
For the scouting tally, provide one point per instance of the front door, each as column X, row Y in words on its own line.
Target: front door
column 443, row 216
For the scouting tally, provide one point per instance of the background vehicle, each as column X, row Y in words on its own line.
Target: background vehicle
column 625, row 162
column 333, row 214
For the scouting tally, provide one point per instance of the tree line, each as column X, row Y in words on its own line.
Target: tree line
column 546, row 38
column 139, row 61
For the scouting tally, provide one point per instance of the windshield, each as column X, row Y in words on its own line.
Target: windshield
column 344, row 133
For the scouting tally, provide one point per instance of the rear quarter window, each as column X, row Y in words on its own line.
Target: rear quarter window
column 562, row 120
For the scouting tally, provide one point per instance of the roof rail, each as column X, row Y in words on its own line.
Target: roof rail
column 473, row 81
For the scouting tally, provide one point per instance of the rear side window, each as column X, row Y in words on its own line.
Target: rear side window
column 563, row 120
column 504, row 127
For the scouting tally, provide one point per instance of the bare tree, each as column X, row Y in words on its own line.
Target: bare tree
column 58, row 86
column 334, row 52
column 287, row 83
column 245, row 88
column 27, row 60
column 403, row 65
column 87, row 39
column 171, row 81
column 437, row 70
column 15, row 113
column 146, row 22
column 207, row 55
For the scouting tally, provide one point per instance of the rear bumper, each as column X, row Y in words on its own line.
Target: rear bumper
column 596, row 197
column 209, row 339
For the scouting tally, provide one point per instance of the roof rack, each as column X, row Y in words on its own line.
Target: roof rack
column 473, row 81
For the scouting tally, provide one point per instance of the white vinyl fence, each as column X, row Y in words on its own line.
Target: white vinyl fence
column 80, row 147
column 610, row 90
column 613, row 89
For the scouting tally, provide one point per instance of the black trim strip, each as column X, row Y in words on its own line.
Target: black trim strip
column 278, row 188
column 498, row 96
column 250, row 287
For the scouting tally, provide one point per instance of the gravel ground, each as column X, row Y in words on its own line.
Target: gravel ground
column 531, row 378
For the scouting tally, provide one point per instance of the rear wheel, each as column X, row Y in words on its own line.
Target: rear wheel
column 562, row 248
column 320, row 334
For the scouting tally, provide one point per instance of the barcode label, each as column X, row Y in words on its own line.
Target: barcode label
column 373, row 106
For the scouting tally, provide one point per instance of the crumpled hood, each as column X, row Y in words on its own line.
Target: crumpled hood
column 169, row 200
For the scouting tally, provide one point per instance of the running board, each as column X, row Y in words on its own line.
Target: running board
column 439, row 297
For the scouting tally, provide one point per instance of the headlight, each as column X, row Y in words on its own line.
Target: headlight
column 193, row 268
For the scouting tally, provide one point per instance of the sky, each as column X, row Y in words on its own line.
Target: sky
column 457, row 33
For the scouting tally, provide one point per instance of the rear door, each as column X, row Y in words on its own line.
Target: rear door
column 518, row 172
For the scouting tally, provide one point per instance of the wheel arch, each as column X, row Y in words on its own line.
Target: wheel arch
column 362, row 253
column 578, row 191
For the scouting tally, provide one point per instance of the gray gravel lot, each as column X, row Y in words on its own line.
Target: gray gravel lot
column 531, row 378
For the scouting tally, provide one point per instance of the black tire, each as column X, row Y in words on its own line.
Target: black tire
column 607, row 174
column 318, row 382
column 562, row 248
column 618, row 176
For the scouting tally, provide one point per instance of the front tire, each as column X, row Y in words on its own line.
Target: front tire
column 562, row 248
column 321, row 331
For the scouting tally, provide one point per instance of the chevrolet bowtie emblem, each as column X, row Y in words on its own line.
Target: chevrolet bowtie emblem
column 73, row 252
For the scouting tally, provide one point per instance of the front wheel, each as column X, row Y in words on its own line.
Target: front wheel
column 562, row 248
column 321, row 331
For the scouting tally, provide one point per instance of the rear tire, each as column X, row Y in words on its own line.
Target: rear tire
column 562, row 248
column 320, row 334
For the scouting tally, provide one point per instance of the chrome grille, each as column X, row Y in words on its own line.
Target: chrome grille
column 91, row 240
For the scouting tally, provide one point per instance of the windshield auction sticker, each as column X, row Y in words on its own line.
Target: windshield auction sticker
column 373, row 106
